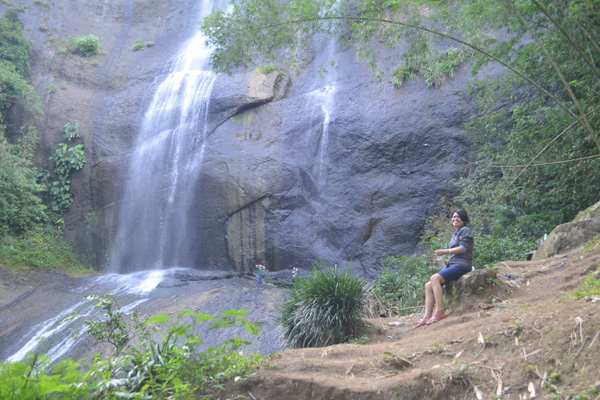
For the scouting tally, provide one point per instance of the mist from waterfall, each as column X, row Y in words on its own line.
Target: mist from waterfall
column 153, row 229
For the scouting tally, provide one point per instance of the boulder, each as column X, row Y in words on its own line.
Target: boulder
column 472, row 282
column 567, row 236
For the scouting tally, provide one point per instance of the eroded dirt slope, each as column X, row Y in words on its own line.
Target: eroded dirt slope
column 517, row 338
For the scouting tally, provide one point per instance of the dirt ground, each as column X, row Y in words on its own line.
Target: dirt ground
column 517, row 338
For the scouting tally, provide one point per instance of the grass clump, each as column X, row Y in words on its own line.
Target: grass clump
column 590, row 286
column 85, row 46
column 322, row 309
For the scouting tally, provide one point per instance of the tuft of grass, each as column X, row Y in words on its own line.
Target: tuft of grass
column 265, row 69
column 323, row 308
column 39, row 248
column 590, row 286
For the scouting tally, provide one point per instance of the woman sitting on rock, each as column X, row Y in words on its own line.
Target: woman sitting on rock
column 460, row 262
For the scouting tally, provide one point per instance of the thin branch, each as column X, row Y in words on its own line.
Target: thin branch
column 534, row 165
column 568, row 37
column 568, row 128
column 566, row 85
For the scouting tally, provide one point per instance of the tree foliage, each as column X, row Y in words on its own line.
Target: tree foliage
column 536, row 132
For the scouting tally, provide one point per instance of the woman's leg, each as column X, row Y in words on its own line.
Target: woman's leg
column 429, row 301
column 436, row 286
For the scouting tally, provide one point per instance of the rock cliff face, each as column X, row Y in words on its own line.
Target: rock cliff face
column 297, row 169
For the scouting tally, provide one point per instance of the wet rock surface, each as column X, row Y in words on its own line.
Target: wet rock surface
column 29, row 299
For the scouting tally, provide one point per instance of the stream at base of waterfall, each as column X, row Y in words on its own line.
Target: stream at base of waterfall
column 42, row 311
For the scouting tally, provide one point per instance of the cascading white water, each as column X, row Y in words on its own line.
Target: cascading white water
column 59, row 334
column 153, row 229
column 324, row 99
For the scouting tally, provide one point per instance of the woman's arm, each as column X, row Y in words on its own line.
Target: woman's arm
column 454, row 250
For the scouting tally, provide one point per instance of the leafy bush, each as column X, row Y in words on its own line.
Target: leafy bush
column 14, row 67
column 85, row 46
column 64, row 160
column 490, row 249
column 400, row 287
column 169, row 367
column 322, row 309
column 15, row 47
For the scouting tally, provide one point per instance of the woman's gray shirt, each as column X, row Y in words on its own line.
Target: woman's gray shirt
column 462, row 238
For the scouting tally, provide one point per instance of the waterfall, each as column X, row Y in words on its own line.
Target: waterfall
column 322, row 99
column 153, row 229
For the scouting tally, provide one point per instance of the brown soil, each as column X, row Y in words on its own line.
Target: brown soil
column 518, row 338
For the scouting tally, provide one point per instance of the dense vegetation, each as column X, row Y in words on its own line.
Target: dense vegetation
column 536, row 132
column 30, row 208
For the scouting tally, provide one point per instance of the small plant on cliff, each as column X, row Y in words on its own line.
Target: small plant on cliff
column 65, row 160
column 137, row 45
column 85, row 46
column 323, row 308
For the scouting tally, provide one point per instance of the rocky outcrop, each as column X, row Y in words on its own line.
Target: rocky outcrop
column 567, row 236
column 297, row 169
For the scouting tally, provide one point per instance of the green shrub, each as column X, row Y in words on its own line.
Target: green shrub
column 490, row 249
column 65, row 160
column 400, row 288
column 169, row 367
column 85, row 46
column 322, row 309
column 137, row 45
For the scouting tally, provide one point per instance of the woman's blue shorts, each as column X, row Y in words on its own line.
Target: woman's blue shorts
column 453, row 272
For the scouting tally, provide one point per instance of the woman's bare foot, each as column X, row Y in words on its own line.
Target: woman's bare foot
column 437, row 316
column 422, row 322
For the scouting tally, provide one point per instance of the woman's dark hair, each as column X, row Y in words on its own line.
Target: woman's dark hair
column 463, row 215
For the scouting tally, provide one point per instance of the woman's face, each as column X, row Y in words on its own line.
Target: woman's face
column 456, row 221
